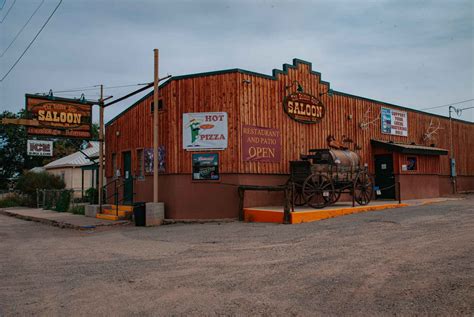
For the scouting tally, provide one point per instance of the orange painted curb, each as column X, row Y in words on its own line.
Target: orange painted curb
column 261, row 215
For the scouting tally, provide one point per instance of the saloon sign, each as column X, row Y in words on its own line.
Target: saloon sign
column 303, row 107
column 59, row 117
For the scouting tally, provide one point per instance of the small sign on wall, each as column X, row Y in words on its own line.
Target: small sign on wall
column 148, row 159
column 261, row 144
column 394, row 122
column 40, row 148
column 206, row 166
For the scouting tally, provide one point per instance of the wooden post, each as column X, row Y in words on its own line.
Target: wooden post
column 155, row 129
column 101, row 146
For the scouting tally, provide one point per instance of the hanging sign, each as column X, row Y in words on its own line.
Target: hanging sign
column 205, row 130
column 39, row 148
column 59, row 117
column 303, row 107
column 394, row 122
column 206, row 166
column 261, row 144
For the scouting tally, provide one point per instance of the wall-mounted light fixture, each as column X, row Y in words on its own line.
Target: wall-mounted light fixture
column 330, row 93
column 299, row 87
column 246, row 81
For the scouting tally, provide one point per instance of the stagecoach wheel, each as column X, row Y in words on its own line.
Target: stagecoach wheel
column 298, row 199
column 336, row 196
column 364, row 189
column 318, row 191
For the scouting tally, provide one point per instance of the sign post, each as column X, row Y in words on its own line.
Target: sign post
column 101, row 146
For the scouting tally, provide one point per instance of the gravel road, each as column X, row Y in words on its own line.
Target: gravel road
column 408, row 261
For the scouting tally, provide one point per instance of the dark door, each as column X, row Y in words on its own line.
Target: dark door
column 127, row 179
column 384, row 178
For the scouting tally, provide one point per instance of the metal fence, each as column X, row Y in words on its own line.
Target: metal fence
column 60, row 199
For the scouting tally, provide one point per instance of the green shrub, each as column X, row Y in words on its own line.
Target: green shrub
column 92, row 195
column 12, row 200
column 64, row 200
column 29, row 182
column 77, row 210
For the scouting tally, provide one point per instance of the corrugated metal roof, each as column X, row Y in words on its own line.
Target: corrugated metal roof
column 410, row 148
column 76, row 159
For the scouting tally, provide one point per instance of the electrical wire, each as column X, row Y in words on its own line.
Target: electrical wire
column 95, row 87
column 9, row 9
column 29, row 45
column 21, row 30
column 5, row 1
column 446, row 105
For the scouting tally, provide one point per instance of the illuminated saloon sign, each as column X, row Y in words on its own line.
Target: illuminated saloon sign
column 59, row 117
column 303, row 107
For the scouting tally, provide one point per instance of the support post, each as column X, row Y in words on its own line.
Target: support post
column 399, row 193
column 155, row 128
column 101, row 147
column 286, row 209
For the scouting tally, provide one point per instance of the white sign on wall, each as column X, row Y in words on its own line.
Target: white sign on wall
column 205, row 130
column 39, row 148
column 394, row 122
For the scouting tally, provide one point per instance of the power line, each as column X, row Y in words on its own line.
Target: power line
column 96, row 87
column 4, row 1
column 21, row 30
column 37, row 34
column 446, row 105
column 9, row 9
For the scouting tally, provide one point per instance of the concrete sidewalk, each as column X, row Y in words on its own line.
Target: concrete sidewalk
column 59, row 219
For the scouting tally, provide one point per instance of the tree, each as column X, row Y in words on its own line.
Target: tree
column 13, row 156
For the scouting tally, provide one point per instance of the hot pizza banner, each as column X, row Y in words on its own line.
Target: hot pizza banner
column 205, row 130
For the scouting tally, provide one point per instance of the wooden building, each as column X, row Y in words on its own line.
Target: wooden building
column 221, row 129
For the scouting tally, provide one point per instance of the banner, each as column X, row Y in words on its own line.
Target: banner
column 39, row 148
column 261, row 144
column 394, row 122
column 205, row 130
column 59, row 117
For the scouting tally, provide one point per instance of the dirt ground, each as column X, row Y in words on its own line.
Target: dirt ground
column 408, row 261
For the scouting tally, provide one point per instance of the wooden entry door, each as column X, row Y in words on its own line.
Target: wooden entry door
column 384, row 175
column 127, row 179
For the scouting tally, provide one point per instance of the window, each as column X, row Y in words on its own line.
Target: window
column 140, row 165
column 160, row 105
column 411, row 163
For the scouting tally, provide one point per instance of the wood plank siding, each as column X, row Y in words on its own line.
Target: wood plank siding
column 255, row 99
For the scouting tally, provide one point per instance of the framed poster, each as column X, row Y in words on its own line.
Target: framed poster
column 205, row 166
column 204, row 130
column 411, row 163
column 394, row 122
column 148, row 159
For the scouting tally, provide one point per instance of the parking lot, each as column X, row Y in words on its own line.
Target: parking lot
column 407, row 261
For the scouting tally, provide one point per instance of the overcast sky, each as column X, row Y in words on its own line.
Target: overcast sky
column 415, row 54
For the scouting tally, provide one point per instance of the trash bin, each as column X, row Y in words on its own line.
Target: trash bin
column 139, row 214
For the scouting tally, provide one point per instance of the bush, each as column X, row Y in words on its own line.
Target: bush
column 78, row 210
column 29, row 182
column 64, row 200
column 12, row 200
column 92, row 195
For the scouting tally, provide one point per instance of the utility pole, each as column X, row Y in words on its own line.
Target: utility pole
column 101, row 145
column 452, row 166
column 155, row 129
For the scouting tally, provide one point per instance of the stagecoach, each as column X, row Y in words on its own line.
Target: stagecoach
column 319, row 178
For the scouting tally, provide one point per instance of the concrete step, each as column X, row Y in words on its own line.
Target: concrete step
column 120, row 213
column 107, row 217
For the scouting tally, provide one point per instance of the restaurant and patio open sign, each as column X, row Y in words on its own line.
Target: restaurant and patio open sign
column 261, row 144
column 59, row 117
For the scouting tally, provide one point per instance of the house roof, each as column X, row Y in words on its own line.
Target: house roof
column 77, row 159
column 409, row 148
